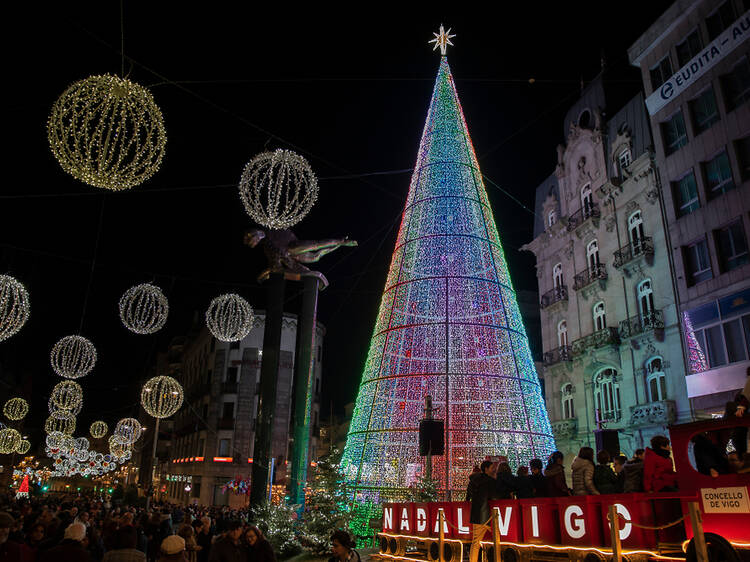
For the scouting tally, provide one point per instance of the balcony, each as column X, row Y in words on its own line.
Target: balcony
column 663, row 412
column 557, row 355
column 565, row 429
column 582, row 215
column 600, row 338
column 642, row 323
column 555, row 295
column 626, row 254
column 588, row 276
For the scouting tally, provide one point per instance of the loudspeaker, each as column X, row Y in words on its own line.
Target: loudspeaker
column 607, row 440
column 431, row 437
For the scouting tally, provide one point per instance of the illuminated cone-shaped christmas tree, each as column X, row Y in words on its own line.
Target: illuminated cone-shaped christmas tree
column 449, row 327
column 23, row 489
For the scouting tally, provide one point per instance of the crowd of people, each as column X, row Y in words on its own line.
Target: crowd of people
column 79, row 529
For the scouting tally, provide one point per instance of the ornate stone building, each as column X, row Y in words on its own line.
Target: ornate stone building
column 612, row 349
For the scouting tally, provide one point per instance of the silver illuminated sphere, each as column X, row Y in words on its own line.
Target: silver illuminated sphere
column 73, row 357
column 127, row 431
column 278, row 189
column 144, row 309
column 229, row 317
column 67, row 395
column 161, row 396
column 14, row 306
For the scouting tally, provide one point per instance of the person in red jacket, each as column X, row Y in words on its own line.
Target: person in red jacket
column 658, row 471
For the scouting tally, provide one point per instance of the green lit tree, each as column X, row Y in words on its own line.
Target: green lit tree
column 280, row 526
column 326, row 509
column 424, row 490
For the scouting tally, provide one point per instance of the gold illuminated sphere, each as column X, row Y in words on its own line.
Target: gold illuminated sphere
column 127, row 431
column 16, row 409
column 98, row 429
column 23, row 447
column 67, row 395
column 161, row 396
column 62, row 421
column 108, row 132
column 14, row 306
column 9, row 440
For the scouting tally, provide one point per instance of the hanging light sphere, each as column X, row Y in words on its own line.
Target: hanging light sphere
column 278, row 189
column 23, row 447
column 108, row 132
column 144, row 309
column 9, row 440
column 116, row 448
column 98, row 429
column 14, row 306
column 62, row 421
column 161, row 396
column 229, row 317
column 127, row 431
column 16, row 409
column 82, row 444
column 55, row 439
column 67, row 395
column 73, row 357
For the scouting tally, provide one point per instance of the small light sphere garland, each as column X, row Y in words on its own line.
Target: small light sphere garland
column 16, row 409
column 229, row 317
column 73, row 357
column 82, row 444
column 127, row 431
column 98, row 429
column 55, row 439
column 278, row 188
column 67, row 395
column 161, row 396
column 144, row 309
column 23, row 447
column 108, row 132
column 9, row 440
column 14, row 306
column 62, row 421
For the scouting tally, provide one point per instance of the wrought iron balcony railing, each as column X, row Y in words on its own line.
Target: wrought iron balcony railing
column 663, row 412
column 642, row 247
column 565, row 429
column 557, row 355
column 588, row 276
column 641, row 323
column 600, row 338
column 559, row 293
column 590, row 211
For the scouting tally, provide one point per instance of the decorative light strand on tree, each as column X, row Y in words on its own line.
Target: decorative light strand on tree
column 15, row 306
column 108, row 132
column 73, row 357
column 229, row 317
column 278, row 189
column 161, row 396
column 144, row 309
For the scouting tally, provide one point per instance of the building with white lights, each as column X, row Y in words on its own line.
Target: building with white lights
column 214, row 431
column 612, row 354
column 696, row 74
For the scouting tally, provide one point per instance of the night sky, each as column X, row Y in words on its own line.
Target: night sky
column 349, row 91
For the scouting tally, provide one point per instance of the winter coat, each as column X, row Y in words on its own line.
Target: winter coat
column 605, row 479
column 506, row 485
column 539, row 482
column 225, row 550
column 583, row 477
column 657, row 471
column 525, row 487
column 262, row 551
column 67, row 551
column 556, row 485
column 479, row 492
column 633, row 471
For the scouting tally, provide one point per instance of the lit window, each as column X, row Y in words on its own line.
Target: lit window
column 656, row 380
column 562, row 333
column 607, row 395
column 587, row 201
column 685, row 194
column 557, row 275
column 551, row 218
column 568, row 406
column 600, row 317
column 224, row 447
column 646, row 300
column 635, row 231
column 592, row 255
column 624, row 159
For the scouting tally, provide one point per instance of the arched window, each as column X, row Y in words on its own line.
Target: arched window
column 592, row 255
column 645, row 300
column 562, row 333
column 656, row 379
column 607, row 395
column 557, row 275
column 551, row 218
column 587, row 200
column 568, row 407
column 600, row 316
column 635, row 231
column 624, row 158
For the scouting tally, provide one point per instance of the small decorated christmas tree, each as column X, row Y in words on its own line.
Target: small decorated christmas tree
column 23, row 489
column 280, row 526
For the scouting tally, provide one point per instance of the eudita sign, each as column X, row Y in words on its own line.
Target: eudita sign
column 720, row 47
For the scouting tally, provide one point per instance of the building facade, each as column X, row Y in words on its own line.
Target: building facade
column 214, row 431
column 612, row 350
column 696, row 73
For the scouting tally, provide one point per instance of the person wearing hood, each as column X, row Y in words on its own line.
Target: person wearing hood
column 583, row 473
column 658, row 471
column 633, row 471
column 555, row 475
column 481, row 489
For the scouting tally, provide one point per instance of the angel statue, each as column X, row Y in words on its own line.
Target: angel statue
column 286, row 254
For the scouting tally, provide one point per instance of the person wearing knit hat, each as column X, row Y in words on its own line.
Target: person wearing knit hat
column 71, row 548
column 172, row 549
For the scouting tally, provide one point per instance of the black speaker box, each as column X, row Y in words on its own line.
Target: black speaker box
column 431, row 435
column 607, row 440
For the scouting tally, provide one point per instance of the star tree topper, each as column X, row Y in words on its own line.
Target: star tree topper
column 442, row 39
